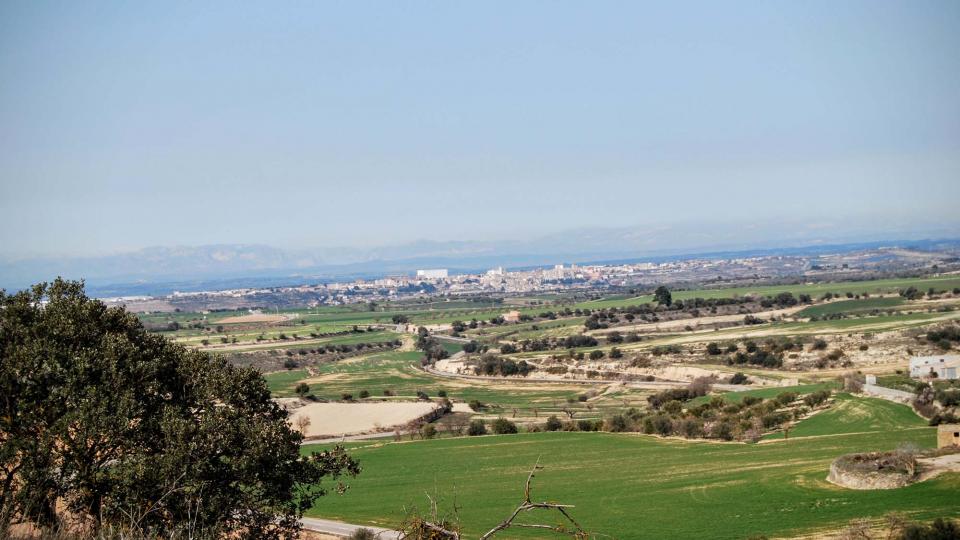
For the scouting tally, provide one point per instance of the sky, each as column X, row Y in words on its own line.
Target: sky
column 133, row 124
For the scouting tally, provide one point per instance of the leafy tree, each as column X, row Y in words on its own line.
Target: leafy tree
column 662, row 296
column 477, row 427
column 302, row 389
column 100, row 418
column 502, row 426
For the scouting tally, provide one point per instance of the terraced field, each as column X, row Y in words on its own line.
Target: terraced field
column 632, row 486
column 397, row 372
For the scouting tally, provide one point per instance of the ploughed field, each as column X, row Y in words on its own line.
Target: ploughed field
column 640, row 486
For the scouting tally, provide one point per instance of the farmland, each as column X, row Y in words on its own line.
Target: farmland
column 625, row 485
column 636, row 486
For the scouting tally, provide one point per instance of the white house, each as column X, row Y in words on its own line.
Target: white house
column 945, row 366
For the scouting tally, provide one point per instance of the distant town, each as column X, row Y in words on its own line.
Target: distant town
column 560, row 278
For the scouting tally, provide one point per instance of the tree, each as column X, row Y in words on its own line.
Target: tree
column 302, row 423
column 477, row 427
column 502, row 426
column 662, row 296
column 100, row 418
column 553, row 424
column 302, row 389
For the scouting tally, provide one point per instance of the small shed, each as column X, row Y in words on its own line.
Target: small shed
column 948, row 434
column 511, row 316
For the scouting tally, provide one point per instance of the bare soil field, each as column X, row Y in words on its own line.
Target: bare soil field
column 333, row 419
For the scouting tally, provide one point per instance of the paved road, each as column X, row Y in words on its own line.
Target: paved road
column 339, row 528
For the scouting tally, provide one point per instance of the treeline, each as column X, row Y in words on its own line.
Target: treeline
column 494, row 365
column 604, row 317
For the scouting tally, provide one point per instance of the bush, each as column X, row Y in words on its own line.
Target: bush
column 739, row 378
column 502, row 426
column 553, row 424
column 618, row 423
column 302, row 389
column 476, row 405
column 363, row 534
column 586, row 425
column 940, row 529
column 477, row 427
column 786, row 398
column 816, row 398
column 428, row 431
column 364, row 394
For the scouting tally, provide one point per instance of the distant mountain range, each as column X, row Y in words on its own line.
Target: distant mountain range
column 159, row 270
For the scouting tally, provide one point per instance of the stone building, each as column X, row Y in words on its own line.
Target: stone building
column 948, row 434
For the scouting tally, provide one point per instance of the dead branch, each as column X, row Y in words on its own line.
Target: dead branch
column 527, row 506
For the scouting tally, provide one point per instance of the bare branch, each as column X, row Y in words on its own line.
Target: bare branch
column 527, row 506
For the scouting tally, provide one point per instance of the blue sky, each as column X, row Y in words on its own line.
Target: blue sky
column 131, row 124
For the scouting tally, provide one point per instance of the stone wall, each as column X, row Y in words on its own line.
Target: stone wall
column 846, row 473
column 888, row 393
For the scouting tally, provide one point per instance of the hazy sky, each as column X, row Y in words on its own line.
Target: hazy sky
column 130, row 124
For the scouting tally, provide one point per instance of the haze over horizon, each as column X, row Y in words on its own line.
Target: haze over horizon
column 331, row 125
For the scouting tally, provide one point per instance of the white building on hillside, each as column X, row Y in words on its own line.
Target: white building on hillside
column 434, row 273
column 944, row 366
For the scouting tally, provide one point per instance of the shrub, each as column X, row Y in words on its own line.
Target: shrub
column 428, row 431
column 940, row 529
column 363, row 534
column 553, row 424
column 502, row 426
column 302, row 389
column 586, row 425
column 477, row 427
column 816, row 398
column 739, row 378
column 786, row 398
column 364, row 394
column 618, row 423
column 476, row 405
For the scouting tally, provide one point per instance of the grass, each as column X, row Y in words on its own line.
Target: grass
column 765, row 393
column 851, row 306
column 281, row 383
column 632, row 486
column 857, row 415
column 396, row 371
column 897, row 382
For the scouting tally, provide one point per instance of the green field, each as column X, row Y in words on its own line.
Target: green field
column 863, row 305
column 281, row 383
column 857, row 415
column 765, row 393
column 636, row 486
